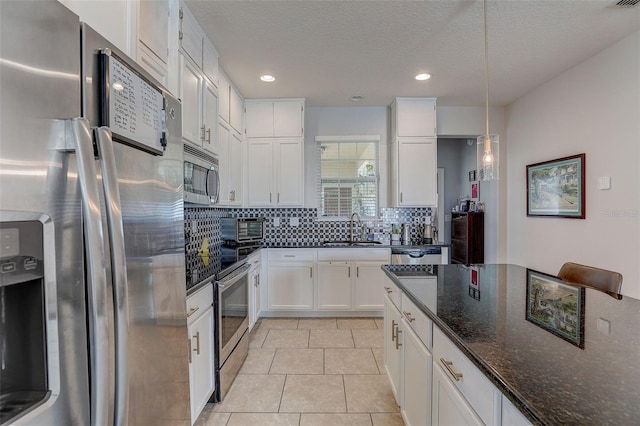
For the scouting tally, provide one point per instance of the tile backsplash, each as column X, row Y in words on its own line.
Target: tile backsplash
column 284, row 227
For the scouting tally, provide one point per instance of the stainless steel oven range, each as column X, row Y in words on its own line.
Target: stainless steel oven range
column 232, row 338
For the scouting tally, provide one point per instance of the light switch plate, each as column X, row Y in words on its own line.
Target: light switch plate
column 604, row 326
column 604, row 182
column 294, row 221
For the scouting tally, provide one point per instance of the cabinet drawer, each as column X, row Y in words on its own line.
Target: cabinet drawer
column 481, row 394
column 199, row 302
column 354, row 254
column 417, row 320
column 393, row 293
column 291, row 254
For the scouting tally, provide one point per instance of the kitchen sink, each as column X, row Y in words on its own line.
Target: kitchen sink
column 350, row 243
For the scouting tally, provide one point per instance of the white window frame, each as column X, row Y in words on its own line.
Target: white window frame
column 350, row 138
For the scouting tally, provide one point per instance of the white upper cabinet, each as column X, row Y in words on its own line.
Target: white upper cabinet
column 236, row 112
column 230, row 165
column 191, row 35
column 414, row 117
column 153, row 27
column 199, row 107
column 414, row 153
column 111, row 18
column 210, row 61
column 224, row 90
column 267, row 118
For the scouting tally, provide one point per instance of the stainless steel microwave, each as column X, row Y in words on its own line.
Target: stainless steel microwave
column 201, row 177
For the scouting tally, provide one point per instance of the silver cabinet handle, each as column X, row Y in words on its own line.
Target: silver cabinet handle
column 101, row 370
column 193, row 311
column 270, row 197
column 449, row 366
column 197, row 337
column 190, row 359
column 357, row 272
column 393, row 330
column 310, row 271
column 349, row 272
column 209, row 135
column 278, row 199
column 388, row 290
column 202, row 133
column 408, row 316
column 401, row 197
column 398, row 331
column 289, row 255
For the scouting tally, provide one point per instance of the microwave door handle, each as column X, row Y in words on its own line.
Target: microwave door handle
column 213, row 194
column 96, row 278
column 118, row 267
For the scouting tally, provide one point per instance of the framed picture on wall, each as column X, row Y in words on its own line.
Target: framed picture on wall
column 475, row 191
column 556, row 188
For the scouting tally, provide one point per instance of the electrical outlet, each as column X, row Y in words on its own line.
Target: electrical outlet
column 604, row 182
column 294, row 221
column 276, row 221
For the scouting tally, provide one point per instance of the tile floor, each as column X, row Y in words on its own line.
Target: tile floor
column 310, row 371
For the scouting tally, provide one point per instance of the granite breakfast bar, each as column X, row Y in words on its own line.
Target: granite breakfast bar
column 482, row 311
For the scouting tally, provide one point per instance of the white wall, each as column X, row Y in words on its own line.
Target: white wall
column 343, row 121
column 593, row 108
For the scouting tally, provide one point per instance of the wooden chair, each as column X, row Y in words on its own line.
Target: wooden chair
column 607, row 281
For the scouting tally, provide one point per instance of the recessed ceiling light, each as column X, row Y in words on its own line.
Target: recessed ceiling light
column 422, row 77
column 267, row 78
column 357, row 98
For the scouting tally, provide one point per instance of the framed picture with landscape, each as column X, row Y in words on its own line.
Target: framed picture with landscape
column 555, row 306
column 556, row 188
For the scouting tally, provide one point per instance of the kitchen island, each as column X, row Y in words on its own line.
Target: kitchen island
column 482, row 310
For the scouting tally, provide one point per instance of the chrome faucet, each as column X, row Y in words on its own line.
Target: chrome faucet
column 351, row 225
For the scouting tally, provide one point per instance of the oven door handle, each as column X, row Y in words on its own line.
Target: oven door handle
column 226, row 283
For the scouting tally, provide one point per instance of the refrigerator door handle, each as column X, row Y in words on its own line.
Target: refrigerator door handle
column 80, row 135
column 119, row 269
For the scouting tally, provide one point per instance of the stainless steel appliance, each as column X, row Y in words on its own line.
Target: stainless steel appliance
column 232, row 254
column 416, row 256
column 232, row 305
column 201, row 177
column 242, row 230
column 92, row 301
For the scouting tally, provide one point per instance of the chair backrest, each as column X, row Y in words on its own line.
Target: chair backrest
column 601, row 279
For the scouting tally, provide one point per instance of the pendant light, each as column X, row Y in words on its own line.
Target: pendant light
column 487, row 145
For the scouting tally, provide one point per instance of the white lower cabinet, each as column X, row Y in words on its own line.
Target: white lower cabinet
column 368, row 290
column 416, row 379
column 201, row 353
column 290, row 279
column 254, row 287
column 431, row 379
column 334, row 285
column 447, row 404
column 392, row 347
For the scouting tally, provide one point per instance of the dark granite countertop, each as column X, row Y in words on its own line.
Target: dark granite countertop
column 551, row 380
column 322, row 245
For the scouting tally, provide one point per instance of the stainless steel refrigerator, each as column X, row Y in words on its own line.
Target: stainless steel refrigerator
column 92, row 277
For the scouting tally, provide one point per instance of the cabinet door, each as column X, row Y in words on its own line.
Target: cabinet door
column 224, row 158
column 392, row 347
column 334, row 285
column 416, row 379
column 109, row 18
column 259, row 119
column 210, row 61
column 236, row 110
column 417, row 173
column 191, row 95
column 210, row 106
column 253, row 287
column 290, row 286
column 448, row 406
column 416, row 117
column 191, row 36
column 235, row 171
column 259, row 173
column 511, row 416
column 287, row 118
column 153, row 26
column 152, row 64
column 224, row 92
column 201, row 374
column 289, row 173
column 369, row 286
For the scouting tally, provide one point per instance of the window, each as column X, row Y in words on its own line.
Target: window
column 348, row 175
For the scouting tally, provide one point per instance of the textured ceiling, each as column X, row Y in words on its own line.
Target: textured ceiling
column 327, row 51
